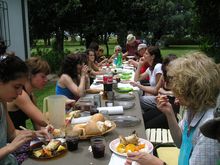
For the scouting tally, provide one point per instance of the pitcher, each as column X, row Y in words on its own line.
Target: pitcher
column 55, row 106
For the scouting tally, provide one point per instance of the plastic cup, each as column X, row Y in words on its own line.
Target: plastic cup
column 109, row 103
column 98, row 146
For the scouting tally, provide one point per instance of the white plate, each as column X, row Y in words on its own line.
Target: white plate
column 148, row 146
column 130, row 57
column 125, row 62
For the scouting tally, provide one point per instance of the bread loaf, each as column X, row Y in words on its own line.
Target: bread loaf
column 98, row 117
column 92, row 128
column 79, row 129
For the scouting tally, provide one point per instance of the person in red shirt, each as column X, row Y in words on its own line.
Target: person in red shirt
column 141, row 49
column 131, row 46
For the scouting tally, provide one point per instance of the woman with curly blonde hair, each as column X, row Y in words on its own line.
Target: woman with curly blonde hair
column 194, row 80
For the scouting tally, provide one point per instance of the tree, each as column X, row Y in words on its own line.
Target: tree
column 96, row 19
column 208, row 20
column 50, row 16
column 169, row 17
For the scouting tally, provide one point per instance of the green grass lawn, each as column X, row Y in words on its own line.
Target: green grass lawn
column 49, row 89
column 179, row 50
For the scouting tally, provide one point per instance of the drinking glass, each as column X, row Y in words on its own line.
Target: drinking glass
column 97, row 100
column 109, row 103
column 110, row 95
column 72, row 142
column 98, row 146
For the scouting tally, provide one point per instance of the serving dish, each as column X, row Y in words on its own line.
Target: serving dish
column 125, row 104
column 125, row 121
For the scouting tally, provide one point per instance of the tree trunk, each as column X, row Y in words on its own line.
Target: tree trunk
column 81, row 38
column 106, row 44
column 48, row 41
column 157, row 36
column 59, row 40
column 88, row 40
column 121, row 36
column 45, row 41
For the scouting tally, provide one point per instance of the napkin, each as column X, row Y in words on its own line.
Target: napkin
column 80, row 120
column 119, row 160
column 115, row 110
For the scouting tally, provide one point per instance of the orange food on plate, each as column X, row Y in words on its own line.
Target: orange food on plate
column 120, row 148
column 130, row 147
column 47, row 152
column 139, row 147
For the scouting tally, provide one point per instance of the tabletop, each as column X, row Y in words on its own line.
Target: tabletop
column 82, row 156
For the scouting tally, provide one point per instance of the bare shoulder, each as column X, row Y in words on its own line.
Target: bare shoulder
column 65, row 80
column 23, row 98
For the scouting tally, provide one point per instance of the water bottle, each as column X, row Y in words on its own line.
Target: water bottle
column 115, row 61
column 119, row 60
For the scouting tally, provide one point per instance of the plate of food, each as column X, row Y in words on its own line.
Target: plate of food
column 127, row 72
column 125, row 76
column 130, row 57
column 124, row 89
column 96, row 126
column 53, row 148
column 132, row 143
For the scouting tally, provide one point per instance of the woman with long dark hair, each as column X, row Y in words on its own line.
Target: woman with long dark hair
column 13, row 76
column 73, row 77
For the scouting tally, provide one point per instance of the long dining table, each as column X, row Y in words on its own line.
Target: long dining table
column 83, row 156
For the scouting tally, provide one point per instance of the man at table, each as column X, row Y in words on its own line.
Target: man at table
column 131, row 46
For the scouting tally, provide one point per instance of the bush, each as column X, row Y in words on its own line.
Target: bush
column 171, row 40
column 210, row 48
column 53, row 58
column 214, row 53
